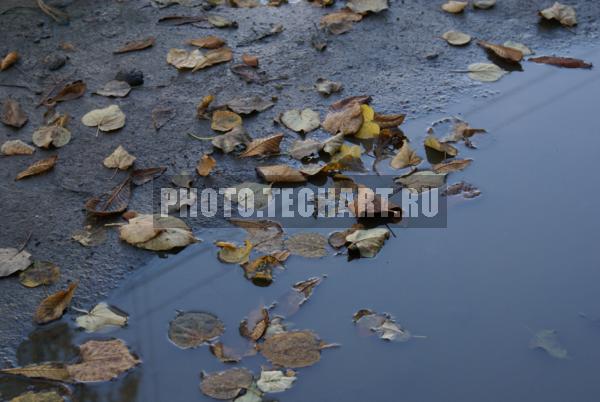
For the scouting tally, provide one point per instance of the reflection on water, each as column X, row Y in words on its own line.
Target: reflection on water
column 517, row 259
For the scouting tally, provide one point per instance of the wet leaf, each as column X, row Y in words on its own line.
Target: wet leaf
column 456, row 38
column 114, row 202
column 263, row 146
column 452, row 166
column 340, row 21
column 333, row 144
column 12, row 114
column 182, row 59
column 485, row 72
column 41, row 166
column 369, row 129
column 156, row 233
column 280, row 174
column 309, row 245
column 107, row 119
column 275, row 381
column 16, row 147
column 90, row 236
column 290, row 303
column 207, row 42
column 53, row 306
column 119, row 159
column 205, row 165
column 566, row 62
column 548, row 341
column 367, row 6
column 301, row 149
column 301, row 121
column 48, row 396
column 405, row 157
column 265, row 235
column 344, row 117
column 442, row 147
column 338, row 239
column 255, row 325
column 215, row 56
column 142, row 176
column 54, row 135
column 40, row 273
column 461, row 131
column 232, row 254
column 100, row 317
column 260, row 270
column 102, row 361
column 367, row 243
column 249, row 60
column 8, row 60
column 224, row 120
column 564, row 14
column 13, row 260
column 455, row 7
column 326, row 87
column 518, row 46
column 232, row 140
column 467, row 190
column 381, row 324
column 135, row 45
column 506, row 53
column 422, row 181
column 484, row 4
column 114, row 88
column 192, row 329
column 49, row 371
column 249, row 104
column 70, row 91
column 292, row 349
column 226, row 384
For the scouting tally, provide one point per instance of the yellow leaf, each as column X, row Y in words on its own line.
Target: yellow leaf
column 369, row 128
column 232, row 254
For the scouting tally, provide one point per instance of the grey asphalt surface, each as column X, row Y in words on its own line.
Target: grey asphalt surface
column 385, row 56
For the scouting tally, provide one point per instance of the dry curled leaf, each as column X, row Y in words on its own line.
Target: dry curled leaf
column 280, row 174
column 263, row 146
column 13, row 260
column 114, row 202
column 232, row 254
column 40, row 273
column 53, row 307
column 254, row 326
column 300, row 121
column 345, row 116
column 107, row 119
column 566, row 62
column 456, row 38
column 16, row 147
column 12, row 114
column 506, row 53
column 8, row 60
column 215, row 56
column 38, row 167
column 226, row 384
column 564, row 14
column 205, row 165
column 292, row 349
column 136, row 45
column 102, row 361
column 224, row 120
column 207, row 42
column 452, row 166
column 405, row 157
column 69, row 91
column 455, row 7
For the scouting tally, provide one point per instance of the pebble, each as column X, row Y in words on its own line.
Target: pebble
column 132, row 77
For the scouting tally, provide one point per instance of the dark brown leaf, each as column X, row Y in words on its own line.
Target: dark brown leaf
column 70, row 91
column 115, row 202
column 249, row 74
column 263, row 146
column 566, row 62
column 53, row 306
column 8, row 60
column 207, row 42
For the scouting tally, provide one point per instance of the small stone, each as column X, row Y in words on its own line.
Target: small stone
column 132, row 77
column 54, row 61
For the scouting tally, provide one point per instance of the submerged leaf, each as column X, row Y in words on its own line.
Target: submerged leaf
column 547, row 340
column 309, row 245
column 49, row 396
column 467, row 190
column 52, row 307
column 275, row 381
column 192, row 329
column 292, row 349
column 265, row 235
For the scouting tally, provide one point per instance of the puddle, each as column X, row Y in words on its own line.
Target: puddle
column 515, row 260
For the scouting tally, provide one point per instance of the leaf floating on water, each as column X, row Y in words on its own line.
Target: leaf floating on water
column 455, row 7
column 100, row 317
column 207, row 42
column 260, row 270
column 275, row 381
column 367, row 243
column 308, row 245
column 12, row 113
column 107, row 119
column 255, row 325
column 157, row 233
column 564, row 14
column 452, row 166
column 444, row 148
column 102, row 361
column 231, row 254
column 547, row 340
column 263, row 146
column 40, row 273
column 506, row 53
column 119, row 159
column 367, row 6
column 467, row 190
column 301, row 121
column 301, row 149
column 114, row 88
column 290, row 303
column 265, row 235
column 135, row 45
column 381, row 324
column 13, row 260
column 456, row 38
column 226, row 384
column 205, row 165
column 293, row 349
column 485, row 72
column 16, row 147
column 114, row 202
column 38, row 167
column 338, row 239
column 192, row 329
column 8, row 60
column 53, row 307
column 48, row 396
column 280, row 174
column 422, row 181
column 565, row 62
column 405, row 157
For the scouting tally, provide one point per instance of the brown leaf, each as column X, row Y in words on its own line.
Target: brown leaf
column 142, row 176
column 566, row 62
column 207, row 42
column 263, row 146
column 226, row 384
column 346, row 118
column 249, row 104
column 260, row 270
column 340, row 21
column 292, row 349
column 111, row 203
column 216, row 56
column 290, row 303
column 102, row 361
column 255, row 325
column 250, row 60
column 136, row 45
column 8, row 60
column 224, row 120
column 224, row 353
column 70, row 91
column 16, row 147
column 203, row 106
column 406, row 156
column 467, row 190
column 280, row 174
column 265, row 235
column 205, row 165
column 40, row 273
column 38, row 167
column 452, row 166
column 507, row 53
column 388, row 120
column 161, row 115
column 455, row 7
column 192, row 329
column 50, row 371
column 12, row 114
column 52, row 307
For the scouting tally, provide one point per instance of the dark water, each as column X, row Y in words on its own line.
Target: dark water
column 520, row 258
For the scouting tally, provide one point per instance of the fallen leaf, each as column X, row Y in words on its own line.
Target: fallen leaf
column 326, row 87
column 345, row 117
column 255, row 325
column 485, row 72
column 16, row 147
column 12, row 113
column 290, row 303
column 461, row 131
column 467, row 190
column 142, row 176
column 566, row 15
column 265, row 235
column 40, row 273
column 405, row 157
column 90, row 236
column 226, row 354
column 566, row 62
column 455, row 7
column 422, row 181
column 301, row 121
column 41, row 166
column 49, row 371
column 70, row 91
column 119, row 159
column 381, row 324
column 192, row 329
column 301, row 149
column 221, row 22
column 249, row 104
column 53, row 135
column 205, row 165
column 506, row 53
column 114, row 88
column 518, row 46
column 224, row 120
column 446, row 149
column 280, row 174
column 367, row 243
column 369, row 129
column 230, row 141
column 249, row 74
column 263, row 146
column 107, row 119
column 53, row 306
column 232, row 254
column 338, row 239
column 102, row 361
column 484, row 4
column 452, row 166
column 202, row 107
column 49, row 396
column 8, row 60
column 367, row 6
column 456, row 38
column 101, row 316
column 157, row 233
column 182, row 59
column 275, row 381
column 249, row 60
column 245, row 3
column 134, row 45
column 260, row 270
column 226, row 384
column 293, row 349
column 340, row 21
column 13, row 260
column 309, row 245
column 114, row 202
column 207, row 42
column 333, row 144
column 215, row 56
column 547, row 340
